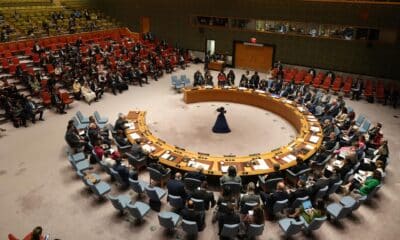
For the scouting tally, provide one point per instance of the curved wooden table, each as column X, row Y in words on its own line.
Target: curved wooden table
column 308, row 140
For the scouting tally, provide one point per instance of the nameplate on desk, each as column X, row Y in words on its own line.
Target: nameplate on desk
column 161, row 141
column 230, row 156
column 135, row 136
column 178, row 148
column 254, row 154
column 242, row 88
column 208, row 87
column 289, row 158
column 204, row 154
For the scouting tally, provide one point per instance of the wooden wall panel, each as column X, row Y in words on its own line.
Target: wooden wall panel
column 256, row 58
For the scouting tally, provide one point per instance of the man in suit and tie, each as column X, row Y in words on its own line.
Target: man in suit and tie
column 176, row 187
column 190, row 214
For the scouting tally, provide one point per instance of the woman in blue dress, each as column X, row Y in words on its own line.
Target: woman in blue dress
column 221, row 125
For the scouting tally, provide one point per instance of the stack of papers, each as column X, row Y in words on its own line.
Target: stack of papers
column 261, row 165
column 134, row 136
column 260, row 91
column 314, row 139
column 289, row 158
column 148, row 148
column 314, row 129
column 242, row 88
column 166, row 155
column 227, row 87
column 301, row 109
column 208, row 87
column 192, row 163
column 288, row 101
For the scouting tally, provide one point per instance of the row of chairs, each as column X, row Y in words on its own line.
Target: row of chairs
column 178, row 84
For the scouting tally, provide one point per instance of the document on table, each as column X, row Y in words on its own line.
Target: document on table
column 242, row 88
column 260, row 91
column 301, row 109
column 314, row 129
column 148, row 148
column 134, row 136
column 309, row 147
column 261, row 165
column 194, row 164
column 166, row 155
column 314, row 139
column 208, row 87
column 224, row 168
column 289, row 158
column 130, row 125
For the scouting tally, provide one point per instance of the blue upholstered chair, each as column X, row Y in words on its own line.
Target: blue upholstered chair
column 77, row 157
column 99, row 119
column 359, row 120
column 79, row 125
column 138, row 186
column 191, row 184
column 198, row 204
column 120, row 202
column 313, row 225
column 82, row 118
column 81, row 166
column 337, row 211
column 136, row 162
column 322, row 192
column 230, row 231
column 117, row 177
column 190, row 227
column 297, row 202
column 254, row 230
column 155, row 193
column 158, row 177
column 176, row 201
column 334, row 187
column 169, row 220
column 280, row 206
column 290, row 226
column 138, row 210
column 268, row 186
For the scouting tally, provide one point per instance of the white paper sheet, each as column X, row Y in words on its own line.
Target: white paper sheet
column 262, row 165
column 134, row 136
column 192, row 163
column 314, row 139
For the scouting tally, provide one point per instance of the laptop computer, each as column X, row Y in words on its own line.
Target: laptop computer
column 307, row 204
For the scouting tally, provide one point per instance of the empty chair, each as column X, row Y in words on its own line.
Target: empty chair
column 373, row 192
column 190, row 227
column 158, row 177
column 290, row 226
column 100, row 189
column 314, row 224
column 360, row 120
column 169, row 220
column 99, row 119
column 138, row 210
column 198, row 204
column 86, row 181
column 120, row 202
column 337, row 211
column 138, row 186
column 191, row 184
column 81, row 118
column 322, row 192
column 81, row 166
column 354, row 203
column 105, row 167
column 230, row 231
column 280, row 205
column 334, row 187
column 77, row 157
column 176, row 201
column 79, row 125
column 254, row 230
column 365, row 126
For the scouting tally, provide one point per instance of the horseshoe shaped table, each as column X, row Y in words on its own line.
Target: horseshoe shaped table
column 309, row 135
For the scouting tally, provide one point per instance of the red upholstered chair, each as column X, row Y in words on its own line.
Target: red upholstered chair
column 308, row 79
column 368, row 90
column 66, row 99
column 12, row 237
column 46, row 98
column 327, row 83
column 317, row 82
column 337, row 84
column 5, row 64
column 380, row 91
column 12, row 70
column 50, row 68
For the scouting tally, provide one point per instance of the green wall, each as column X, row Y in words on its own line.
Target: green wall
column 170, row 20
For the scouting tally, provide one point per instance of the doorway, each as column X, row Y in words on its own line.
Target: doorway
column 144, row 24
column 210, row 46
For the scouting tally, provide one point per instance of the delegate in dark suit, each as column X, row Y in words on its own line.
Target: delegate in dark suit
column 176, row 188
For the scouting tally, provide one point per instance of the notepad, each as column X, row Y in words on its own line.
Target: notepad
column 134, row 136
column 314, row 129
column 338, row 163
column 242, row 88
column 314, row 139
column 208, row 87
column 227, row 87
column 259, row 91
column 261, row 165
column 301, row 109
column 288, row 101
column 289, row 158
